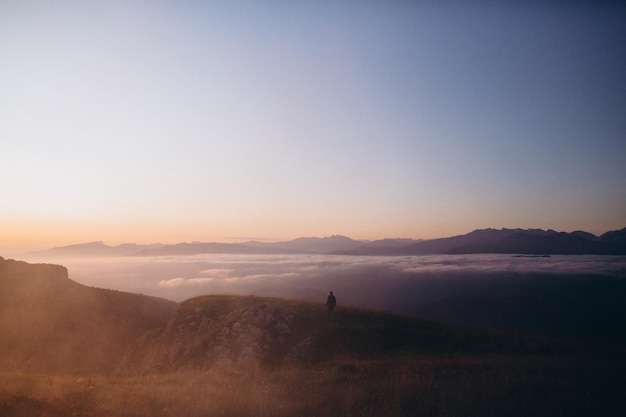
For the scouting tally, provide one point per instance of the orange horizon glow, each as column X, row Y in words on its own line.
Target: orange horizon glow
column 38, row 235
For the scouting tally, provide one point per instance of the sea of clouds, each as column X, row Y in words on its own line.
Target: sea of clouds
column 394, row 283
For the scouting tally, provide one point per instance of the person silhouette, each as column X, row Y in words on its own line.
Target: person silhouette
column 331, row 303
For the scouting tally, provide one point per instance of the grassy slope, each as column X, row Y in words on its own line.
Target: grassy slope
column 365, row 363
column 425, row 385
column 183, row 343
column 50, row 323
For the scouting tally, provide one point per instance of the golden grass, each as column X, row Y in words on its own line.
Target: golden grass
column 370, row 364
column 428, row 385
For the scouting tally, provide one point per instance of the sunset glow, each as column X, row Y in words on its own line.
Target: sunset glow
column 179, row 121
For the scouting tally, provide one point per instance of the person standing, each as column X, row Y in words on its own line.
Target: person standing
column 331, row 303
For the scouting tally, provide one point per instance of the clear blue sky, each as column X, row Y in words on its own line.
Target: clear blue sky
column 175, row 120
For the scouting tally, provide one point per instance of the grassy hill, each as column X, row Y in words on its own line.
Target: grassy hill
column 239, row 331
column 49, row 323
column 251, row 356
column 254, row 356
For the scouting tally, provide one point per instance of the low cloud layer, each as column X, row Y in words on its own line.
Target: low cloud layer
column 382, row 282
column 571, row 296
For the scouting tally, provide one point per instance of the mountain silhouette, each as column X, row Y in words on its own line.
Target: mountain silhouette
column 311, row 244
column 300, row 245
column 197, row 248
column 95, row 249
column 510, row 241
column 617, row 237
column 391, row 243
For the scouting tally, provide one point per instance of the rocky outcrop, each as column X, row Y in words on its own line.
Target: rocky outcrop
column 256, row 333
column 259, row 334
column 235, row 333
column 238, row 332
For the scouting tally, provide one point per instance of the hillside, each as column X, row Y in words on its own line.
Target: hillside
column 50, row 323
column 246, row 355
column 240, row 331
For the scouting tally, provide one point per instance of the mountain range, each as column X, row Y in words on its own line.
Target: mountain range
column 510, row 241
column 505, row 241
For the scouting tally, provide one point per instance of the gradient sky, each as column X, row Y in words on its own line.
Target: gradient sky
column 169, row 121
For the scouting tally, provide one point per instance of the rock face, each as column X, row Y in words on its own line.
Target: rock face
column 258, row 334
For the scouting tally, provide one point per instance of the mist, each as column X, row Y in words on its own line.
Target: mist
column 478, row 290
column 364, row 280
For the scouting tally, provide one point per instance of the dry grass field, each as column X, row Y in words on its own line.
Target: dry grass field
column 418, row 385
column 256, row 356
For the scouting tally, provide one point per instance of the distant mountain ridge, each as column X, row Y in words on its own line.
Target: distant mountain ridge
column 505, row 241
column 197, row 248
column 301, row 245
column 311, row 244
column 511, row 241
column 98, row 249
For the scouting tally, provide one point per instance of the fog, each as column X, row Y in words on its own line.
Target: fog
column 363, row 280
column 569, row 295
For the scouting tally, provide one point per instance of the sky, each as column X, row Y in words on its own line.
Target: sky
column 172, row 121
